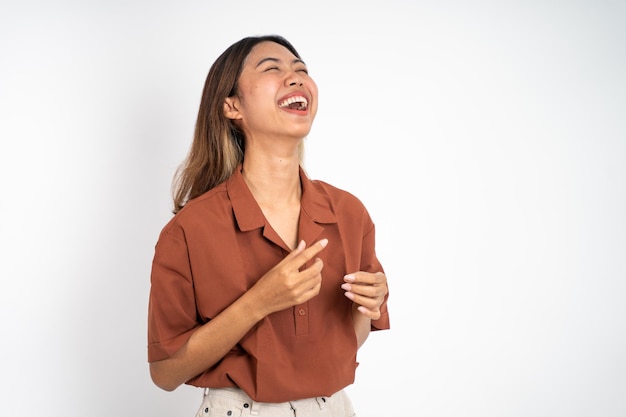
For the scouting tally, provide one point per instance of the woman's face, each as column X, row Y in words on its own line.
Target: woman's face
column 276, row 97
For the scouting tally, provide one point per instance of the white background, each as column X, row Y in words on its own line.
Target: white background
column 487, row 138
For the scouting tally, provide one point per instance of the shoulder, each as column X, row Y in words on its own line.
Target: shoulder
column 345, row 206
column 336, row 194
column 213, row 205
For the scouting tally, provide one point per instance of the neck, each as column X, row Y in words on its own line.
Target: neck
column 273, row 181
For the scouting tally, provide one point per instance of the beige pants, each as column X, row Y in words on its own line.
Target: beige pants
column 233, row 402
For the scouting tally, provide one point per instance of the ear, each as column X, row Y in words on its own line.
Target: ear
column 231, row 108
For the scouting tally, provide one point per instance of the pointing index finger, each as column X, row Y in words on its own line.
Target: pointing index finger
column 312, row 250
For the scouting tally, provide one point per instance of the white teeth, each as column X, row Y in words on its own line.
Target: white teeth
column 296, row 99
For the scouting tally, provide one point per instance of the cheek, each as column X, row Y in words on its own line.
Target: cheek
column 258, row 95
column 314, row 111
column 312, row 87
column 315, row 99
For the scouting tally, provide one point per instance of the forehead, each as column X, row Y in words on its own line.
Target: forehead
column 266, row 50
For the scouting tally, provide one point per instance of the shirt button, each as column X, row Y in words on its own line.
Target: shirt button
column 302, row 312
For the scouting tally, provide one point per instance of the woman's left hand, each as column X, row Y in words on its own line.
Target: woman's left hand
column 367, row 290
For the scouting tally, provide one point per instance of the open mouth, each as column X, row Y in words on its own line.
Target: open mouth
column 294, row 103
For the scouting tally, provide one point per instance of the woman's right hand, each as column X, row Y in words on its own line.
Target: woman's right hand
column 286, row 284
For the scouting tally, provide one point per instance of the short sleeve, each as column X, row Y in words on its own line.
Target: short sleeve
column 172, row 314
column 370, row 263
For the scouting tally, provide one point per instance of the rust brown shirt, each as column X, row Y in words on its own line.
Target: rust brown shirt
column 218, row 246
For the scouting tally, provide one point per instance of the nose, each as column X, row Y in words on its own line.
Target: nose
column 294, row 79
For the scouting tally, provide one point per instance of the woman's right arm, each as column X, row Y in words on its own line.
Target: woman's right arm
column 282, row 287
column 208, row 344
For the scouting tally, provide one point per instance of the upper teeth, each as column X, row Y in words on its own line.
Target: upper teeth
column 296, row 99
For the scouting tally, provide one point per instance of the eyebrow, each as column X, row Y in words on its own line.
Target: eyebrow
column 295, row 61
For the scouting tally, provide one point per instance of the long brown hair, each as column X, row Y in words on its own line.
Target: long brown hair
column 218, row 145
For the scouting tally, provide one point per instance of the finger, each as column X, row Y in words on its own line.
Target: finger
column 298, row 249
column 313, row 271
column 366, row 278
column 364, row 290
column 294, row 253
column 372, row 314
column 303, row 256
column 368, row 302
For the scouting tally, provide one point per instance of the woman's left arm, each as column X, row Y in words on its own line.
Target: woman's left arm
column 367, row 291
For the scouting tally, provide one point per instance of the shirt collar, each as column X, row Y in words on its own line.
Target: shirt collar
column 314, row 202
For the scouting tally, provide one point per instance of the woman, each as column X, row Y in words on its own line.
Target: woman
column 264, row 283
